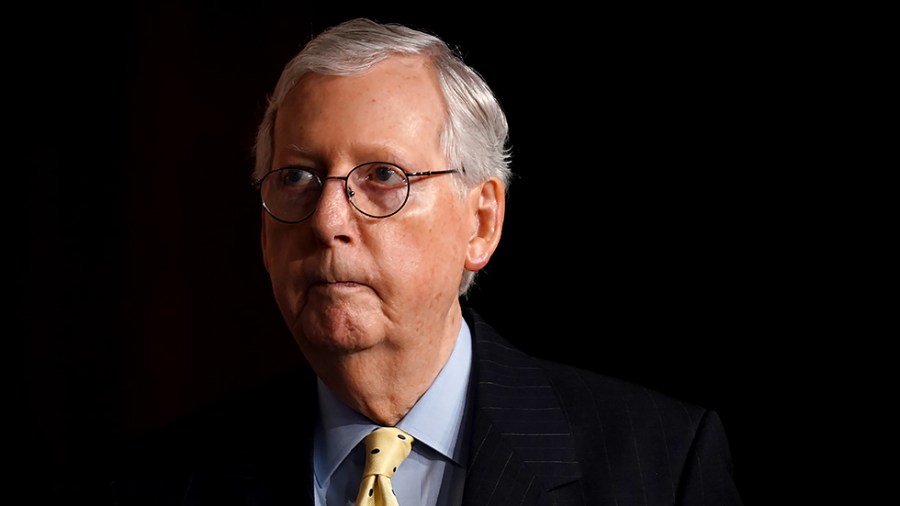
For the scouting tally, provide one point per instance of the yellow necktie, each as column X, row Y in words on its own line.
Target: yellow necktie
column 386, row 448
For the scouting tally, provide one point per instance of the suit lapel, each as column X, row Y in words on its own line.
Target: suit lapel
column 521, row 445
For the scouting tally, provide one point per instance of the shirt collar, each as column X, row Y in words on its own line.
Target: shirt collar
column 434, row 420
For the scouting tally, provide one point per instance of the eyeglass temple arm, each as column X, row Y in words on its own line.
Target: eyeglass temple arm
column 432, row 172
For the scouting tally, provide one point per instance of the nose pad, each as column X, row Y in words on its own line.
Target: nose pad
column 327, row 205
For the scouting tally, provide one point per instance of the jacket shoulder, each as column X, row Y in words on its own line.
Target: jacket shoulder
column 636, row 444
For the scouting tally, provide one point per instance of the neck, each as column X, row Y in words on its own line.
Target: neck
column 384, row 382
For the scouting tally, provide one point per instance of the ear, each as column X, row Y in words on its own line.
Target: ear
column 489, row 205
column 263, row 242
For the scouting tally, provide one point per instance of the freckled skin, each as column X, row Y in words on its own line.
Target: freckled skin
column 362, row 294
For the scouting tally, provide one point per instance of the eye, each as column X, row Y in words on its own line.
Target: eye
column 297, row 178
column 382, row 175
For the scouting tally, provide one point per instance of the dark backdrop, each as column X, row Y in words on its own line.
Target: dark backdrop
column 637, row 241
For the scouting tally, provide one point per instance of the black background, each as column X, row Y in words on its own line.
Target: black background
column 642, row 239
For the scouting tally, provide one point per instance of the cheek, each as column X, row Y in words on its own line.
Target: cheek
column 431, row 254
column 273, row 250
column 280, row 252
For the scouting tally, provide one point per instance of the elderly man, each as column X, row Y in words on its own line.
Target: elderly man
column 382, row 164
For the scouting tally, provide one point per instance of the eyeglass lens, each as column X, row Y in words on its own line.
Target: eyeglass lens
column 376, row 189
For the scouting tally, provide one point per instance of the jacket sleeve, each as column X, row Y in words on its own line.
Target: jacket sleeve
column 708, row 475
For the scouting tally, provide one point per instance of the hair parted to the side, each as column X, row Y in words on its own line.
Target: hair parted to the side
column 475, row 133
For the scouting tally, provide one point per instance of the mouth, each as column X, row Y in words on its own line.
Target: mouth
column 336, row 286
column 333, row 281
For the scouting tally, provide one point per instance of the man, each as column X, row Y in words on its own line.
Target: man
column 383, row 165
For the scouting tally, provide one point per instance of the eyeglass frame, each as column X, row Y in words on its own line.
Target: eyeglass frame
column 348, row 192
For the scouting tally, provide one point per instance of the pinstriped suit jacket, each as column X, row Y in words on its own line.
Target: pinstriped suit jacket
column 543, row 434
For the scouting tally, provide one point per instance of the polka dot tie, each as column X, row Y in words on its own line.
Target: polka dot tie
column 386, row 448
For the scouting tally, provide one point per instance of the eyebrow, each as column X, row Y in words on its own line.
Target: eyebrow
column 384, row 154
column 298, row 149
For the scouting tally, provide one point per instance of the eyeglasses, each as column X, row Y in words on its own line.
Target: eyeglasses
column 376, row 189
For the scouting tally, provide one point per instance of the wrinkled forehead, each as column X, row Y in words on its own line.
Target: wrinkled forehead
column 396, row 102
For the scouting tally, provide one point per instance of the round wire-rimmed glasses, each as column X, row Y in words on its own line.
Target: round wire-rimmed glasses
column 376, row 189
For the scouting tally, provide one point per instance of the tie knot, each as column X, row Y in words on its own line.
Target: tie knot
column 386, row 448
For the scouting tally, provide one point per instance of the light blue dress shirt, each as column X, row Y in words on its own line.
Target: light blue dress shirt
column 433, row 474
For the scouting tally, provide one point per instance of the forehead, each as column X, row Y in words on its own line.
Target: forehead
column 398, row 100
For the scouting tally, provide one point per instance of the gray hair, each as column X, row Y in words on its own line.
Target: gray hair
column 475, row 134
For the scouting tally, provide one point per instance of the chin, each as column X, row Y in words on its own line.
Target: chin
column 336, row 331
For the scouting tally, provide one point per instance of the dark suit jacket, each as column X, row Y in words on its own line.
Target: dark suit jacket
column 543, row 434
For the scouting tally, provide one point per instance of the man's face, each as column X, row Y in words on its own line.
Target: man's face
column 346, row 282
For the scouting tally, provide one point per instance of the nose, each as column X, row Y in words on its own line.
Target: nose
column 348, row 192
column 332, row 217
